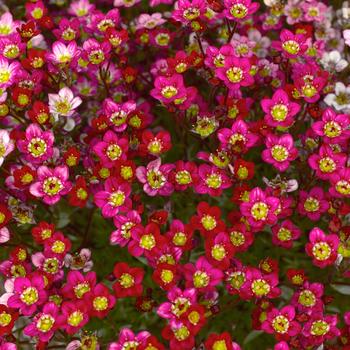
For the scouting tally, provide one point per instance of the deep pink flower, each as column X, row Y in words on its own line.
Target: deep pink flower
column 28, row 293
column 212, row 180
column 333, row 128
column 322, row 248
column 280, row 151
column 124, row 224
column 169, row 89
column 327, row 162
column 284, row 234
column 313, row 204
column 291, row 45
column 279, row 110
column 281, row 323
column 235, row 72
column 111, row 149
column 74, row 316
column 260, row 209
column 187, row 11
column 78, row 285
column 128, row 339
column 239, row 10
column 44, row 323
column 114, row 197
column 37, row 145
column 202, row 275
column 340, row 182
column 51, row 184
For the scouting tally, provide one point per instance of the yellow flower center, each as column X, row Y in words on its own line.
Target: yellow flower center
column 343, row 187
column 307, row 298
column 260, row 287
column 280, row 324
column 327, row 165
column 113, row 152
column 279, row 112
column 58, row 247
column 319, row 328
column 200, row 279
column 126, row 280
column 321, row 251
column 218, row 252
column 239, row 11
column 45, row 323
column 100, row 303
column 284, row 234
column 169, row 91
column 279, row 153
column 5, row 319
column 29, row 296
column 332, row 129
column 291, row 47
column 81, row 289
column 52, row 186
column 208, row 222
column 117, row 198
column 75, row 318
column 259, row 211
column 167, row 276
column 234, row 74
column 213, row 181
column 147, row 242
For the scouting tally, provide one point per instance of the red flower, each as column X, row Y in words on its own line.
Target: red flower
column 79, row 194
column 129, row 280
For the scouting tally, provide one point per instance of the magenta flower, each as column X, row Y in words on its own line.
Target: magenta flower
column 280, row 151
column 291, row 45
column 202, row 275
column 235, row 72
column 101, row 301
column 212, row 180
column 37, row 145
column 187, row 11
column 239, row 10
column 124, row 224
column 284, row 234
column 111, row 149
column 94, row 52
column 320, row 328
column 340, row 182
column 313, row 204
column 28, row 294
column 178, row 304
column 78, row 284
column 44, row 323
column 8, row 72
column 127, row 339
column 259, row 285
column 260, row 209
column 309, row 298
column 169, row 89
column 333, row 128
column 238, row 138
column 117, row 113
column 114, row 197
column 51, row 184
column 155, row 178
column 281, row 323
column 322, row 248
column 279, row 110
column 327, row 162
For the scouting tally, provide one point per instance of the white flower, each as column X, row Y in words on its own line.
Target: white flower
column 63, row 103
column 340, row 99
column 346, row 35
column 4, row 235
column 6, row 145
column 333, row 61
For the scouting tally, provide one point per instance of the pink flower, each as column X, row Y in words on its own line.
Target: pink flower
column 114, row 197
column 155, row 178
column 44, row 323
column 280, row 151
column 51, row 184
column 260, row 209
column 37, row 145
column 169, row 89
column 64, row 55
column 291, row 45
column 281, row 323
column 235, row 72
column 327, row 162
column 111, row 149
column 322, row 248
column 8, row 72
column 333, row 128
column 313, row 204
column 28, row 293
column 95, row 52
column 239, row 10
column 64, row 103
column 6, row 145
column 279, row 110
column 202, row 275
